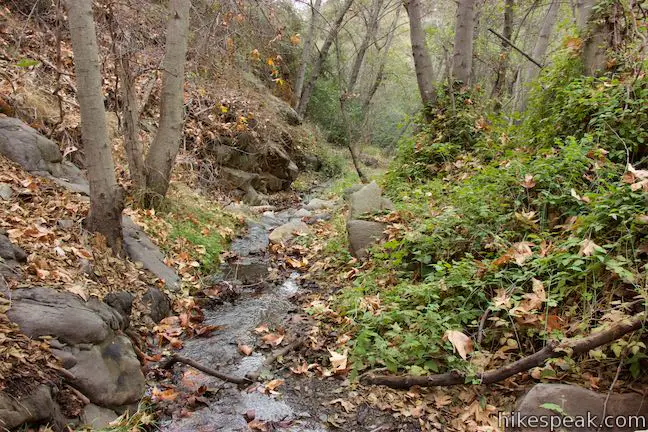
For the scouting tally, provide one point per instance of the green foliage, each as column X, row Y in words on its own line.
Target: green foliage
column 536, row 211
column 612, row 109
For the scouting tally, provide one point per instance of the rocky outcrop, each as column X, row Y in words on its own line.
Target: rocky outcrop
column 140, row 248
column 365, row 201
column 37, row 154
column 85, row 337
column 33, row 407
column 288, row 230
column 10, row 258
column 561, row 400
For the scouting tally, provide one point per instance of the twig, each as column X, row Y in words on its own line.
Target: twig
column 516, row 48
column 176, row 358
column 254, row 376
column 553, row 349
column 80, row 395
column 482, row 322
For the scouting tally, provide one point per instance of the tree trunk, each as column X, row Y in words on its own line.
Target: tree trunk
column 530, row 71
column 306, row 53
column 599, row 34
column 463, row 43
column 106, row 197
column 366, row 101
column 130, row 112
column 372, row 28
column 505, row 52
column 161, row 156
column 422, row 60
column 319, row 62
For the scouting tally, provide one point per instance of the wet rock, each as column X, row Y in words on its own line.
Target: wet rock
column 6, row 192
column 109, row 374
column 248, row 270
column 140, row 248
column 97, row 417
column 362, row 234
column 254, row 243
column 319, row 204
column 577, row 401
column 37, row 406
column 288, row 230
column 157, row 304
column 66, row 316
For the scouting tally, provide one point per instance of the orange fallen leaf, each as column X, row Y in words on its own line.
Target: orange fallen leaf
column 461, row 343
column 245, row 349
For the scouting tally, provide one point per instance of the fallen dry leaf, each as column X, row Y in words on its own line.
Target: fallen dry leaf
column 461, row 343
column 245, row 349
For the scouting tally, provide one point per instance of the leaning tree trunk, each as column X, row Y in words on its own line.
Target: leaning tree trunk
column 421, row 55
column 161, row 156
column 463, row 43
column 106, row 197
column 306, row 53
column 319, row 62
column 530, row 71
column 505, row 52
column 600, row 34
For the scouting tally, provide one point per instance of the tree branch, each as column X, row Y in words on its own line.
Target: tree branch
column 515, row 48
column 553, row 349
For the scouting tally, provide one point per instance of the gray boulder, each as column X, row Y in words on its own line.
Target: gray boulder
column 288, row 230
column 84, row 339
column 33, row 407
column 240, row 179
column 362, row 234
column 121, row 301
column 9, row 251
column 319, row 204
column 577, row 402
column 36, row 153
column 368, row 199
column 109, row 374
column 140, row 248
column 66, row 316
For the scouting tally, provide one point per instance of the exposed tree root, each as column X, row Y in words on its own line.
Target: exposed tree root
column 553, row 349
column 209, row 371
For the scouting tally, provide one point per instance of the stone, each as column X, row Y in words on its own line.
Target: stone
column 121, row 301
column 288, row 230
column 319, row 204
column 311, row 162
column 271, row 183
column 36, row 153
column 239, row 178
column 157, row 304
column 362, row 234
column 43, row 311
column 140, row 248
column 109, row 374
column 366, row 200
column 351, row 189
column 65, row 224
column 254, row 198
column 255, row 242
column 33, row 407
column 6, row 192
column 248, row 270
column 577, row 401
column 9, row 251
column 302, row 212
column 97, row 417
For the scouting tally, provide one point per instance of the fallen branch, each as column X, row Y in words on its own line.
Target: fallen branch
column 553, row 349
column 209, row 371
column 254, row 376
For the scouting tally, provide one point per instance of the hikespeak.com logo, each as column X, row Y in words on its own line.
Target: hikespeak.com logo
column 553, row 422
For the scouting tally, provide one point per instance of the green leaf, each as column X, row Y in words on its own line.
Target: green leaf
column 27, row 62
column 553, row 407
